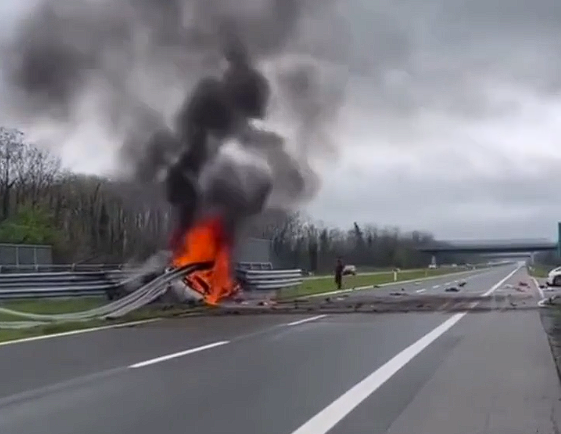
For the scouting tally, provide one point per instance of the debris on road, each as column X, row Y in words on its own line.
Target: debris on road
column 462, row 283
column 451, row 289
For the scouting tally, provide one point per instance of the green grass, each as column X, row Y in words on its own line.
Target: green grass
column 540, row 271
column 148, row 312
column 326, row 284
column 50, row 306
column 47, row 329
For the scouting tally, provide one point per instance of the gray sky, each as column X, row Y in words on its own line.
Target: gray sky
column 451, row 120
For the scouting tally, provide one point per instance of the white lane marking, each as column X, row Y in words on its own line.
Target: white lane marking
column 179, row 354
column 78, row 332
column 436, row 286
column 420, row 290
column 302, row 321
column 327, row 418
column 542, row 295
column 498, row 285
column 447, row 283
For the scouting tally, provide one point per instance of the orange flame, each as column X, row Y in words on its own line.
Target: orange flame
column 207, row 241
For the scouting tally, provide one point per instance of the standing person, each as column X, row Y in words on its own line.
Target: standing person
column 339, row 273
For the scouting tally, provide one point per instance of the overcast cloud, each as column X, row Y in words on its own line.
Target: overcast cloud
column 451, row 122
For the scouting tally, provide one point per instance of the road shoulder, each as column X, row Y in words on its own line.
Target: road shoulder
column 501, row 378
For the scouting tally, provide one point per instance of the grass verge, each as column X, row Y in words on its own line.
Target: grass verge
column 326, row 284
column 146, row 313
column 540, row 271
column 50, row 306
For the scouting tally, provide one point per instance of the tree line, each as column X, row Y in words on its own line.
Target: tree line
column 94, row 219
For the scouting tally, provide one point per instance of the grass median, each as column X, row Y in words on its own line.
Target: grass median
column 327, row 284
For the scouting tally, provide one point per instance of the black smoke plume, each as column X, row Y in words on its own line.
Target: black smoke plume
column 128, row 64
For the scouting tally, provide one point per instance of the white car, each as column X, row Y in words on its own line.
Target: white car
column 554, row 277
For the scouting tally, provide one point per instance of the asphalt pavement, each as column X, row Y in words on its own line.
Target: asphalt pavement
column 391, row 373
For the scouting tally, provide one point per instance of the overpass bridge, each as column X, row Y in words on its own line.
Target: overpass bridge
column 490, row 246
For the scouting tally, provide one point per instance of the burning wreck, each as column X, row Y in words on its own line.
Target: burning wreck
column 212, row 194
column 219, row 169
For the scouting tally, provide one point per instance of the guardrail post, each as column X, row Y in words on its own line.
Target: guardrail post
column 395, row 275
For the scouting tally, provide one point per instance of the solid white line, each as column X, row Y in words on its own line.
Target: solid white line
column 78, row 332
column 302, row 321
column 420, row 290
column 501, row 283
column 327, row 418
column 538, row 287
column 338, row 409
column 179, row 354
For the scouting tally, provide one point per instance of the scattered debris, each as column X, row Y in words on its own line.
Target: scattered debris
column 525, row 284
column 376, row 286
column 452, row 289
column 398, row 293
column 462, row 283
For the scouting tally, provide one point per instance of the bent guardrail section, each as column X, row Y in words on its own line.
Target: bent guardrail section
column 142, row 296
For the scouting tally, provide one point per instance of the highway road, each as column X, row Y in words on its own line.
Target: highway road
column 395, row 373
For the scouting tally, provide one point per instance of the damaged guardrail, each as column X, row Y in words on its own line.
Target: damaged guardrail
column 142, row 296
column 252, row 275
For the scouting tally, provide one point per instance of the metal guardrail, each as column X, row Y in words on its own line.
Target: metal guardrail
column 268, row 280
column 63, row 284
column 252, row 276
column 142, row 296
column 254, row 266
column 54, row 268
